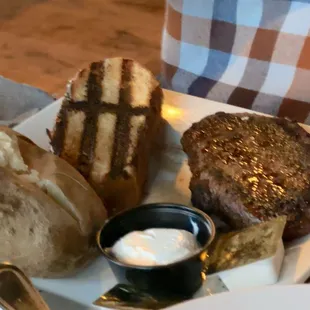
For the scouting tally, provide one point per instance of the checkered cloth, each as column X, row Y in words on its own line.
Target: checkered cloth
column 249, row 53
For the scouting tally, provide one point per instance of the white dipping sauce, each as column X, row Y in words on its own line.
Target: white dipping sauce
column 155, row 246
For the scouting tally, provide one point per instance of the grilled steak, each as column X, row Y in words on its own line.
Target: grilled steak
column 105, row 128
column 248, row 168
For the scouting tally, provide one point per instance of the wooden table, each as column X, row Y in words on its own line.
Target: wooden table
column 44, row 42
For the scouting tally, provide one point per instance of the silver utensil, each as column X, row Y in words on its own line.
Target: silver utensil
column 17, row 291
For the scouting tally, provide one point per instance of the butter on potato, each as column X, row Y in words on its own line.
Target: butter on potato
column 9, row 153
column 10, row 157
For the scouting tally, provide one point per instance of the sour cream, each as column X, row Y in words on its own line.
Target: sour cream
column 155, row 246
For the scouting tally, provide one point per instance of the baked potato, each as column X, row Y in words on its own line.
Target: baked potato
column 49, row 215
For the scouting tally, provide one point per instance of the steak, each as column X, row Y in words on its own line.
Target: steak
column 248, row 168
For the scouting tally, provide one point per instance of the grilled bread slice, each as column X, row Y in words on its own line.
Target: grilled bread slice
column 106, row 127
column 249, row 168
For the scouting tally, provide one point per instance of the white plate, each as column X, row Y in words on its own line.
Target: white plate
column 272, row 298
column 170, row 185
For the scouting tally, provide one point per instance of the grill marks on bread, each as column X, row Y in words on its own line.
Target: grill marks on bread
column 104, row 116
column 122, row 127
column 94, row 93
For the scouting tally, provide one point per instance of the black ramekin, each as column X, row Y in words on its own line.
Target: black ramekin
column 182, row 277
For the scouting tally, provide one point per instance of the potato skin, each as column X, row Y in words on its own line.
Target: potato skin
column 37, row 234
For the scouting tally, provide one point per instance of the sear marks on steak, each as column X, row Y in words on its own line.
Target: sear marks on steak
column 248, row 168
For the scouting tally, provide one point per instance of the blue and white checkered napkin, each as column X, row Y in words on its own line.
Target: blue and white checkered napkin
column 252, row 54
